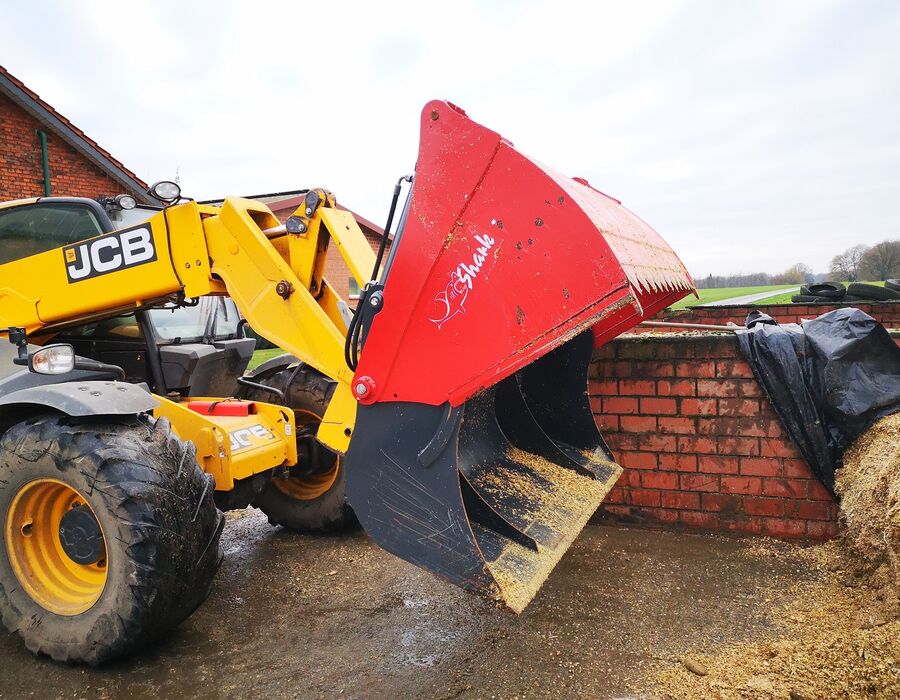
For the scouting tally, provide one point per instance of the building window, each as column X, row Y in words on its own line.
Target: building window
column 353, row 286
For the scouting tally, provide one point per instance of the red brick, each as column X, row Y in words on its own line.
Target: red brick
column 637, row 387
column 785, row 488
column 737, row 427
column 747, row 388
column 659, row 407
column 680, row 426
column 760, row 466
column 750, row 485
column 638, row 460
column 677, row 462
column 810, row 510
column 699, row 482
column 772, row 507
column 682, row 500
column 616, row 495
column 702, row 445
column 720, row 502
column 596, row 404
column 605, row 423
column 661, row 514
column 618, row 404
column 658, row 443
column 738, row 446
column 738, row 407
column 638, row 424
column 717, row 464
column 695, row 518
column 695, row 369
column 716, row 387
column 617, row 511
column 797, row 469
column 631, row 478
column 778, row 527
column 623, row 441
column 603, row 387
column 817, row 492
column 734, row 368
column 776, row 447
column 698, row 407
column 657, row 369
column 676, row 387
column 659, row 480
column 643, row 497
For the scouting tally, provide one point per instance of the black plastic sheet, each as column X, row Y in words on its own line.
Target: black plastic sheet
column 828, row 379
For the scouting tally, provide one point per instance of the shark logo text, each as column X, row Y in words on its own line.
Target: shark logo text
column 452, row 298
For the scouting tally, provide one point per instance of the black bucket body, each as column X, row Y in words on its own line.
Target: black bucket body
column 489, row 495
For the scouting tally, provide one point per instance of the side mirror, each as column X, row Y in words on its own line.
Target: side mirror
column 52, row 359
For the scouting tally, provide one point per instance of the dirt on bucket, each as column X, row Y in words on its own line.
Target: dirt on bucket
column 837, row 635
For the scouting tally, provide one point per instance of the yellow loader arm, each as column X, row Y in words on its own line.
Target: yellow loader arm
column 276, row 278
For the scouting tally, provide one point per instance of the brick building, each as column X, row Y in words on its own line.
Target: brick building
column 42, row 153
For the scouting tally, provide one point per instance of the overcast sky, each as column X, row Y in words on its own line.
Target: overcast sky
column 751, row 135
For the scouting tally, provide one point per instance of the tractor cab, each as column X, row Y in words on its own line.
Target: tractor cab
column 196, row 348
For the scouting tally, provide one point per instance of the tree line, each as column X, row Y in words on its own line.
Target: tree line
column 861, row 262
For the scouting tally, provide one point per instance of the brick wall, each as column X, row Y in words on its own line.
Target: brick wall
column 887, row 313
column 21, row 174
column 700, row 444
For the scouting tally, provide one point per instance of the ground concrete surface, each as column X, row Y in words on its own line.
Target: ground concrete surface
column 305, row 617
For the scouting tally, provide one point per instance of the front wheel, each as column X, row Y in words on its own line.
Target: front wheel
column 310, row 497
column 111, row 534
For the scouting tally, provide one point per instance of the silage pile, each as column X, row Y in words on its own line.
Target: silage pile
column 838, row 633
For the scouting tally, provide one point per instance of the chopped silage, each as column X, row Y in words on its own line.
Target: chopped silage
column 838, row 633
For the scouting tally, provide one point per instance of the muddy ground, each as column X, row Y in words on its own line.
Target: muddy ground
column 304, row 617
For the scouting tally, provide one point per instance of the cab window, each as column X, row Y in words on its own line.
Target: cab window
column 37, row 228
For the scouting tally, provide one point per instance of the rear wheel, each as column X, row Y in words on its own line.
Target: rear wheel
column 311, row 496
column 111, row 535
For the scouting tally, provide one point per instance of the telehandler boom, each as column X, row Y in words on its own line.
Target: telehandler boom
column 449, row 412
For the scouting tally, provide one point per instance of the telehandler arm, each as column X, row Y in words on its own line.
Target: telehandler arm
column 276, row 278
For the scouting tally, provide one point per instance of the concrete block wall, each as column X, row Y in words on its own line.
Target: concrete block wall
column 699, row 442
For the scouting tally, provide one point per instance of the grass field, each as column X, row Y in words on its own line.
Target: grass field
column 261, row 356
column 708, row 295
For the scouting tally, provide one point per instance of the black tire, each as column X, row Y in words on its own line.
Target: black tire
column 826, row 290
column 307, row 392
column 873, row 292
column 155, row 509
column 893, row 284
column 804, row 290
column 807, row 299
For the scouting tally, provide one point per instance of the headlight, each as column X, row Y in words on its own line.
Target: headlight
column 165, row 191
column 53, row 359
column 125, row 201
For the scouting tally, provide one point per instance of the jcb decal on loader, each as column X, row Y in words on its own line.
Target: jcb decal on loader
column 252, row 436
column 114, row 251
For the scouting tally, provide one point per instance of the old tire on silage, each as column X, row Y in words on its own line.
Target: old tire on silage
column 312, row 496
column 872, row 292
column 155, row 510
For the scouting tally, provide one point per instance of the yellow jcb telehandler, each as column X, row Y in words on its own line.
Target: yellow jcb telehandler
column 448, row 414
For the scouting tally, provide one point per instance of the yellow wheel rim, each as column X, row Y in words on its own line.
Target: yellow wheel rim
column 44, row 569
column 309, row 486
